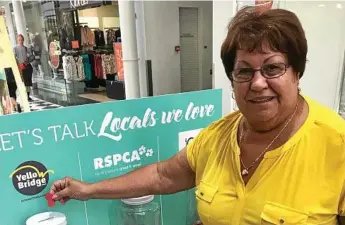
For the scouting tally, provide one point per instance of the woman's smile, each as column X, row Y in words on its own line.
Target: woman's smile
column 264, row 100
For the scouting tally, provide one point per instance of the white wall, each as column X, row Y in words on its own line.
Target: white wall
column 326, row 39
column 162, row 35
column 322, row 22
column 222, row 14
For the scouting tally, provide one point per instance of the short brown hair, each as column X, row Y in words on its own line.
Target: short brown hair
column 20, row 35
column 278, row 29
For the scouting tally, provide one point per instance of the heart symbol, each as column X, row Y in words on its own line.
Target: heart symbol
column 49, row 197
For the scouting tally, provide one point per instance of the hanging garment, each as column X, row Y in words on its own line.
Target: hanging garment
column 87, row 67
column 87, row 37
column 111, row 36
column 73, row 68
column 68, row 66
column 94, row 82
column 91, row 37
column 98, row 66
column 82, row 36
column 65, row 41
column 99, row 38
column 80, row 68
column 117, row 35
column 108, row 65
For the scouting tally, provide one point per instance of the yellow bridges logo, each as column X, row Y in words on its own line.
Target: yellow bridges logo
column 30, row 178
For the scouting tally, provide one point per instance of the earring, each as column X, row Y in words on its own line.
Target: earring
column 233, row 95
column 299, row 90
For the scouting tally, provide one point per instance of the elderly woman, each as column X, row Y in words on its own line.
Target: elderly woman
column 279, row 160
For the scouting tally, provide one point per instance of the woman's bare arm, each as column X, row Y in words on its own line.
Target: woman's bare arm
column 167, row 177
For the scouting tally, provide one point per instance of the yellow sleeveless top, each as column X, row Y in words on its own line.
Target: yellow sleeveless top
column 301, row 182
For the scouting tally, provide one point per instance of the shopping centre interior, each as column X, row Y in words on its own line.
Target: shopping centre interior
column 85, row 52
column 178, row 46
column 175, row 52
column 88, row 31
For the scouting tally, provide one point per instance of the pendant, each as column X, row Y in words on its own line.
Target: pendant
column 245, row 172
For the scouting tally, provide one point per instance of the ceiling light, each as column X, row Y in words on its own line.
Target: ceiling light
column 339, row 6
column 322, row 5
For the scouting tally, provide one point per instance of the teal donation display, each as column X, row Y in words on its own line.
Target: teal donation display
column 95, row 142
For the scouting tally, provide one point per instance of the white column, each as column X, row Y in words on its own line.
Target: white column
column 223, row 11
column 9, row 24
column 129, row 48
column 141, row 44
column 19, row 18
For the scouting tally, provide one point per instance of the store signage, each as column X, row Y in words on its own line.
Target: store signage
column 119, row 61
column 54, row 54
column 96, row 142
column 78, row 3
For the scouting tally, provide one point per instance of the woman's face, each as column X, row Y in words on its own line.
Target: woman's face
column 20, row 40
column 265, row 100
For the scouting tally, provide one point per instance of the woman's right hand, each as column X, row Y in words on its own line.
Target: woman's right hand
column 69, row 188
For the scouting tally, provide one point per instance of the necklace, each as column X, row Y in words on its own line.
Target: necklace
column 246, row 169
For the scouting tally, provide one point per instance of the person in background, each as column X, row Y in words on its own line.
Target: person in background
column 12, row 88
column 6, row 106
column 24, row 58
column 280, row 159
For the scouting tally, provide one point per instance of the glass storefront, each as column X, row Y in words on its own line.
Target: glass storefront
column 73, row 44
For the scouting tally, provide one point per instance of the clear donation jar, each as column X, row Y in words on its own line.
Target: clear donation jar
column 138, row 211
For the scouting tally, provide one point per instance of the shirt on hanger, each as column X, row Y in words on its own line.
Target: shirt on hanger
column 111, row 36
column 73, row 68
column 108, row 65
column 87, row 67
column 99, row 38
column 87, row 37
column 98, row 66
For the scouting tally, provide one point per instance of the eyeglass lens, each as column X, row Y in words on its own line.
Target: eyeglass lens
column 269, row 71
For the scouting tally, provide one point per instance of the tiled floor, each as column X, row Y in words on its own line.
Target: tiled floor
column 98, row 97
column 39, row 105
column 59, row 100
column 44, row 100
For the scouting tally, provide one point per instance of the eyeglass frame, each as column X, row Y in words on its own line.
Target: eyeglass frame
column 261, row 72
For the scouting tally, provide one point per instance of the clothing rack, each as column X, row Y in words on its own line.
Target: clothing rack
column 82, row 52
column 104, row 51
column 69, row 52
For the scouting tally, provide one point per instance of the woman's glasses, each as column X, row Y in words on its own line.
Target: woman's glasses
column 269, row 71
